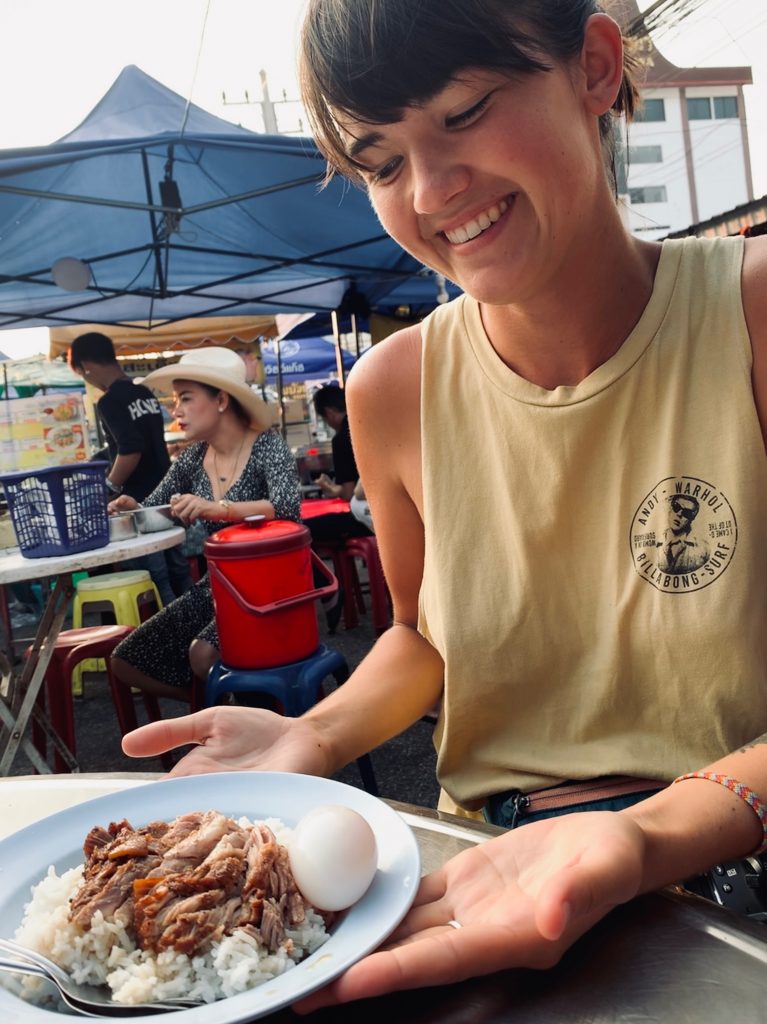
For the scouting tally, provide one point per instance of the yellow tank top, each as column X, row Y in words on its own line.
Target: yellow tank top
column 596, row 556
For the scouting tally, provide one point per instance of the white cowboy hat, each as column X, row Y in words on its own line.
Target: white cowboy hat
column 220, row 368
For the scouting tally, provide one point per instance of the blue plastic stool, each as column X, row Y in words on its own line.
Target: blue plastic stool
column 296, row 686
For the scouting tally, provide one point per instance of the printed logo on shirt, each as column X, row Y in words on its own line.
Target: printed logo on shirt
column 144, row 407
column 683, row 535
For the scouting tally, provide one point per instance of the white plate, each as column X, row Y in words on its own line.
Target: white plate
column 26, row 855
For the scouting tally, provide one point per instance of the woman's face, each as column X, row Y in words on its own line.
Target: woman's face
column 195, row 409
column 492, row 182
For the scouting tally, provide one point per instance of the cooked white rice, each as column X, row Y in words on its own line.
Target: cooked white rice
column 106, row 955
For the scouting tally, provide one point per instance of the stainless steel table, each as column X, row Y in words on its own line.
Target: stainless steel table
column 18, row 702
column 662, row 959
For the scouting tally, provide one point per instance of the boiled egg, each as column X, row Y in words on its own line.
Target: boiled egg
column 333, row 856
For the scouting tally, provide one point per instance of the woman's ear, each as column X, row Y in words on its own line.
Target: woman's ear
column 601, row 63
column 223, row 400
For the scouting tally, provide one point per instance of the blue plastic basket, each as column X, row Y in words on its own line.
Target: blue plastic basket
column 59, row 510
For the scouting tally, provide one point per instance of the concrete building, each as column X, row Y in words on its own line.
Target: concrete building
column 687, row 157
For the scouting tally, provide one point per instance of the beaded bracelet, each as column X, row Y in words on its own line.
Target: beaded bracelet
column 739, row 789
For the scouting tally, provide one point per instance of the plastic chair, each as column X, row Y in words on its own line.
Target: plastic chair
column 296, row 686
column 72, row 647
column 124, row 593
column 128, row 595
column 346, row 575
column 343, row 554
column 366, row 548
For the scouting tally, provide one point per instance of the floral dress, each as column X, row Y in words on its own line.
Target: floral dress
column 160, row 646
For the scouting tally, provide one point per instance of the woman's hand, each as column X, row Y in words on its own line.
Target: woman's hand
column 189, row 508
column 233, row 739
column 522, row 899
column 122, row 504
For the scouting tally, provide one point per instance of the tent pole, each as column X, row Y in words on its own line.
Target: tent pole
column 356, row 334
column 339, row 353
column 283, row 425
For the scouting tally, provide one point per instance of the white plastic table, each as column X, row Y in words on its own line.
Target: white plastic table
column 18, row 703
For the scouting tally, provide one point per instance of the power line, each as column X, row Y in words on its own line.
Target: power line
column 662, row 15
column 196, row 67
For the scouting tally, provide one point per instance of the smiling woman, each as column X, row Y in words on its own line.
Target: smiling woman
column 533, row 453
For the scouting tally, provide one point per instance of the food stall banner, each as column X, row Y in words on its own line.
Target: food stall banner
column 302, row 359
column 45, row 430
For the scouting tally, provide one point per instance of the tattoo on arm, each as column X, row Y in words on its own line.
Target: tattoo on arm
column 759, row 741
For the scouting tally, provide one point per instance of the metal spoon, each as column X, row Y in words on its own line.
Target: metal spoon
column 89, row 1000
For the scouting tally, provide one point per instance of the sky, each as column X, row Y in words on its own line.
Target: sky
column 60, row 58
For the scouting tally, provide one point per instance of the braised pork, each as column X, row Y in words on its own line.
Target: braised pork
column 184, row 884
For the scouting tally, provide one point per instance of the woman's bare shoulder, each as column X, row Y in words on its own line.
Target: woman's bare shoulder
column 389, row 370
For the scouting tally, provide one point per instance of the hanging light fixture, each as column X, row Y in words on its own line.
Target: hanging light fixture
column 71, row 274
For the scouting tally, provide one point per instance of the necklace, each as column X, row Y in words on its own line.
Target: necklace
column 226, row 480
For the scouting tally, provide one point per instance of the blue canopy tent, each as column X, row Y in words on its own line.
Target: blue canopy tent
column 166, row 212
column 300, row 359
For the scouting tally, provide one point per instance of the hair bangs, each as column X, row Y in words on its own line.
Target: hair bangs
column 383, row 57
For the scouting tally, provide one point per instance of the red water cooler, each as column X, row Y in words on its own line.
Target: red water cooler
column 263, row 592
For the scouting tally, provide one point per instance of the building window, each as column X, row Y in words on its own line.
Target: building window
column 699, row 108
column 651, row 110
column 725, row 106
column 648, row 194
column 645, row 155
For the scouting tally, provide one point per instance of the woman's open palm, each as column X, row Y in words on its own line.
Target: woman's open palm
column 232, row 739
column 521, row 899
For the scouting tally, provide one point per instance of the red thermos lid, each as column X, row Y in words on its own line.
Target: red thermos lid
column 255, row 537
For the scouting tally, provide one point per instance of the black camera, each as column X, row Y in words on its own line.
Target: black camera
column 739, row 885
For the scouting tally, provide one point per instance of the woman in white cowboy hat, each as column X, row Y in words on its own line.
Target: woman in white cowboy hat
column 236, row 466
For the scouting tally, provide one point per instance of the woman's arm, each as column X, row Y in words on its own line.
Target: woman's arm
column 189, row 508
column 402, row 676
column 697, row 823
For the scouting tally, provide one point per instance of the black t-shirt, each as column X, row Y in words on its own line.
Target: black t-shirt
column 133, row 422
column 344, row 464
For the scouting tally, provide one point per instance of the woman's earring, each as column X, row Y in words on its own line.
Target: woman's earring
column 220, row 408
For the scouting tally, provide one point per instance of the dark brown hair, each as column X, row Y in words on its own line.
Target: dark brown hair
column 372, row 59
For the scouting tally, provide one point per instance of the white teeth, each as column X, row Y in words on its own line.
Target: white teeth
column 475, row 227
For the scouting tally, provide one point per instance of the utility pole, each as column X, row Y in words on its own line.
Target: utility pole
column 269, row 107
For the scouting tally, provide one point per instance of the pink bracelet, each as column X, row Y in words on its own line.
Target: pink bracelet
column 739, row 789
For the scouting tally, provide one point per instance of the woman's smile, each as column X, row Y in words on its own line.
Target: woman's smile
column 471, row 229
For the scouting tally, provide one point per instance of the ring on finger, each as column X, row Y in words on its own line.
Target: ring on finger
column 454, row 924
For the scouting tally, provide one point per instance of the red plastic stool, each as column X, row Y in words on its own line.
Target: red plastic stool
column 72, row 647
column 346, row 575
column 366, row 548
